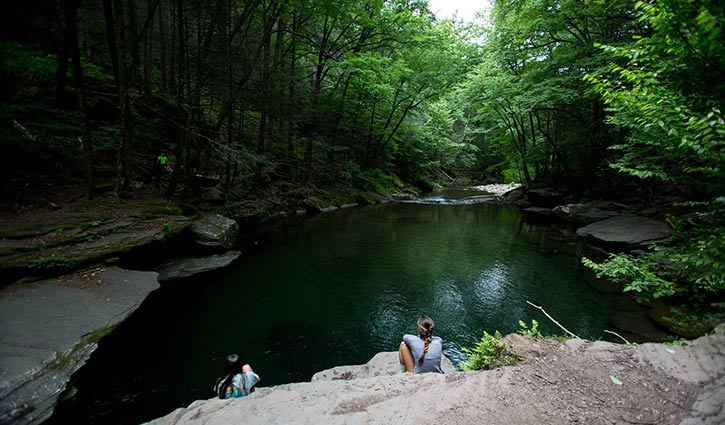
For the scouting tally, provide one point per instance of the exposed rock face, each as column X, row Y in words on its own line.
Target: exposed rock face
column 582, row 213
column 369, row 198
column 554, row 383
column 69, row 241
column 637, row 327
column 48, row 329
column 215, row 231
column 185, row 267
column 626, row 230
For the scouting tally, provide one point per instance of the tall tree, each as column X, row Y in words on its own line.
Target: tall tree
column 70, row 10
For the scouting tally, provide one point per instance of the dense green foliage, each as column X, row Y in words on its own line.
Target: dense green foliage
column 318, row 95
column 669, row 94
column 320, row 92
column 527, row 99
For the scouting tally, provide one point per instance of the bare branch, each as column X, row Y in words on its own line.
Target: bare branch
column 552, row 319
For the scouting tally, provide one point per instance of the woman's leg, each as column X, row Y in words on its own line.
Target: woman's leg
column 249, row 382
column 405, row 357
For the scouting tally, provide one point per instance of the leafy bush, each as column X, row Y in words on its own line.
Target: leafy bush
column 489, row 353
column 637, row 274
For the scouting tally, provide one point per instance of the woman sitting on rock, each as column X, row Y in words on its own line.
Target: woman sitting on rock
column 425, row 347
column 237, row 380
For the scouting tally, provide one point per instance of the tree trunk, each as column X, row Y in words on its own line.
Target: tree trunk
column 125, row 101
column 162, row 52
column 292, row 85
column 148, row 54
column 111, row 38
column 182, row 115
column 61, row 72
column 133, row 71
column 70, row 8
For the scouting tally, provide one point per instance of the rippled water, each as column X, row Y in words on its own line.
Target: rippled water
column 336, row 289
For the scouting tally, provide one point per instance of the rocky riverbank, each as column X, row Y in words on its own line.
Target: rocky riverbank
column 574, row 381
column 42, row 342
column 61, row 290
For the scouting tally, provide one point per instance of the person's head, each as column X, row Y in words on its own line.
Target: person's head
column 425, row 330
column 425, row 327
column 232, row 365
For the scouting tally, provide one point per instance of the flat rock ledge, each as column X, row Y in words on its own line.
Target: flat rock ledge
column 185, row 267
column 49, row 328
column 627, row 231
column 574, row 381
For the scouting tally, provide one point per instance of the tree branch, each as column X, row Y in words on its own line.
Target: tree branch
column 552, row 319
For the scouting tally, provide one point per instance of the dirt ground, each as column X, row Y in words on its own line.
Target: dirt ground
column 611, row 384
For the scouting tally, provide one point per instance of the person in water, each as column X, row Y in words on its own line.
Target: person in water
column 422, row 353
column 237, row 380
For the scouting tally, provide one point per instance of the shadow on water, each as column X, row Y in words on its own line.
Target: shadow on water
column 336, row 289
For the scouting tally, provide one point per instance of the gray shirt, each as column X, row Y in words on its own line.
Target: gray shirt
column 432, row 359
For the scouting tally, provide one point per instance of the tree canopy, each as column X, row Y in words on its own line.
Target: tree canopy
column 319, row 93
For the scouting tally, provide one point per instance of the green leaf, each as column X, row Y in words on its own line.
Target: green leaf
column 615, row 380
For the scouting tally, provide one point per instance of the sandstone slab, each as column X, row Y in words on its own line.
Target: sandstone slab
column 48, row 329
column 626, row 231
column 185, row 267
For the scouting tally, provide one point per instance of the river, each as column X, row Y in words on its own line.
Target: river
column 335, row 289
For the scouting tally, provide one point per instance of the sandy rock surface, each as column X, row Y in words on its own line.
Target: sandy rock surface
column 569, row 382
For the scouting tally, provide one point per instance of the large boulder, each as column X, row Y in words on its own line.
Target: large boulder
column 48, row 329
column 215, row 231
column 583, row 213
column 626, row 231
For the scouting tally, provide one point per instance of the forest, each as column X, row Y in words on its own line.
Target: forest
column 284, row 98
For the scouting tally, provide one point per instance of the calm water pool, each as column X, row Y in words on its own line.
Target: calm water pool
column 336, row 289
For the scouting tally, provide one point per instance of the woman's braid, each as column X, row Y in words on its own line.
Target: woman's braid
column 428, row 338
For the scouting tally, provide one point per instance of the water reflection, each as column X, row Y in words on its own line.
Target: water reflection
column 382, row 323
column 490, row 284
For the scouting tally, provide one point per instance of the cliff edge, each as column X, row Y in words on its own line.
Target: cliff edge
column 574, row 381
